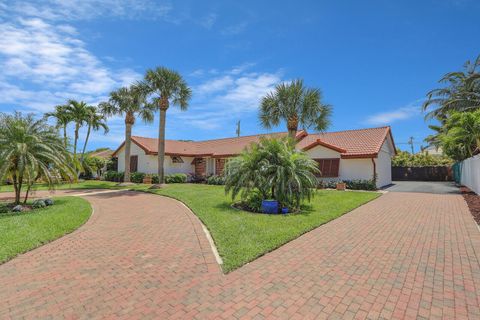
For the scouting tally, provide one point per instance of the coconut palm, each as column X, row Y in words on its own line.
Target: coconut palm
column 129, row 102
column 95, row 121
column 78, row 113
column 462, row 92
column 296, row 105
column 29, row 150
column 166, row 87
column 62, row 120
column 274, row 169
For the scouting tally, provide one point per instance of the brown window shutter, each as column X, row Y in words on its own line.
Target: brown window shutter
column 133, row 163
column 328, row 167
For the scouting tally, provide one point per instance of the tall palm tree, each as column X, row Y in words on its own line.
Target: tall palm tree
column 129, row 102
column 296, row 105
column 29, row 150
column 462, row 92
column 77, row 111
column 95, row 121
column 166, row 86
column 62, row 118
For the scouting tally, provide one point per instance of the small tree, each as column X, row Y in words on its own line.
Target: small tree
column 30, row 150
column 275, row 169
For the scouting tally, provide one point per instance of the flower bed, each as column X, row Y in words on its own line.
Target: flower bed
column 473, row 202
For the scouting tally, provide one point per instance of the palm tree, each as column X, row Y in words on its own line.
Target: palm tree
column 29, row 150
column 166, row 86
column 130, row 102
column 462, row 92
column 77, row 111
column 460, row 137
column 95, row 121
column 274, row 169
column 63, row 119
column 297, row 105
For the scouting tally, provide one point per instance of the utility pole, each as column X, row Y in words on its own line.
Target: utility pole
column 238, row 128
column 410, row 142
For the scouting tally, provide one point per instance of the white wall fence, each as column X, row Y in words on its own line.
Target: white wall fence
column 470, row 173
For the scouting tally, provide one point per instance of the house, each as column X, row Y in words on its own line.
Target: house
column 342, row 155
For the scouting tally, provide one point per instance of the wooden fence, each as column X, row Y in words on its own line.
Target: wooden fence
column 434, row 173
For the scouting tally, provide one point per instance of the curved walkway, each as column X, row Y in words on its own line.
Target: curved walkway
column 404, row 255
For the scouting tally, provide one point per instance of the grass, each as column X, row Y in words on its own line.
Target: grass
column 87, row 184
column 241, row 236
column 21, row 232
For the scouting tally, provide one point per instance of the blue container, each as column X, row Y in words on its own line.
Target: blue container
column 284, row 210
column 270, row 206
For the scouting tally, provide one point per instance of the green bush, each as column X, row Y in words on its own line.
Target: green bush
column 176, row 178
column 113, row 176
column 155, row 178
column 216, row 180
column 361, row 184
column 137, row 177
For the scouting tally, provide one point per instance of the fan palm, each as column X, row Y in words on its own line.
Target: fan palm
column 78, row 112
column 95, row 121
column 167, row 87
column 62, row 118
column 131, row 103
column 462, row 92
column 276, row 170
column 31, row 150
column 297, row 105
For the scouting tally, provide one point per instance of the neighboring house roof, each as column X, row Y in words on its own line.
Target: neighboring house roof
column 106, row 154
column 362, row 143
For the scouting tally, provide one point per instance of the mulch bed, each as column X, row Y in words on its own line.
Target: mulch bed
column 473, row 202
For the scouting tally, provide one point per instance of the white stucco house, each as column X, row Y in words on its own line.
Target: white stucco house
column 360, row 154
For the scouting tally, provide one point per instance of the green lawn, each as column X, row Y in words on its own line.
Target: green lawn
column 87, row 184
column 241, row 236
column 27, row 230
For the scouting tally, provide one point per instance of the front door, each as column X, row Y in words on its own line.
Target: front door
column 133, row 163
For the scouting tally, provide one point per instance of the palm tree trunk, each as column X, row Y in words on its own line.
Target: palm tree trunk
column 65, row 135
column 292, row 126
column 161, row 145
column 77, row 127
column 17, row 189
column 128, row 143
column 85, row 144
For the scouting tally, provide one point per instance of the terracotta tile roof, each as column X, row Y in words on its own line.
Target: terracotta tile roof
column 106, row 154
column 349, row 143
column 355, row 143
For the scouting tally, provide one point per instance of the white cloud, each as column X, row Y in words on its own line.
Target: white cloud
column 208, row 21
column 44, row 65
column 388, row 117
column 72, row 10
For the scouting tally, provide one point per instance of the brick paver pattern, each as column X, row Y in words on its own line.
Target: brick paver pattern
column 402, row 256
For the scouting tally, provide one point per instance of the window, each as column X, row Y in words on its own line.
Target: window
column 176, row 159
column 328, row 167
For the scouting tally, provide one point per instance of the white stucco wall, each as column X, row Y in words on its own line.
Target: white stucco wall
column 148, row 163
column 356, row 169
column 320, row 152
column 384, row 164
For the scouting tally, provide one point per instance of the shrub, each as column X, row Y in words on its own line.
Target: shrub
column 113, row 176
column 216, row 180
column 137, row 177
column 155, row 179
column 39, row 204
column 274, row 169
column 176, row 178
column 361, row 184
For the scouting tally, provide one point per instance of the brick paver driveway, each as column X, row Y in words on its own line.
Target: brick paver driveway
column 404, row 255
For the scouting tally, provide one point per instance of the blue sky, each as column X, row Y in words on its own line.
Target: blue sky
column 373, row 60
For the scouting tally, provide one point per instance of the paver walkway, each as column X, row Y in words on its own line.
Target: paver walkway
column 402, row 256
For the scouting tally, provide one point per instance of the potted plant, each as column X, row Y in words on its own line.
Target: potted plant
column 341, row 186
column 147, row 179
column 270, row 206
